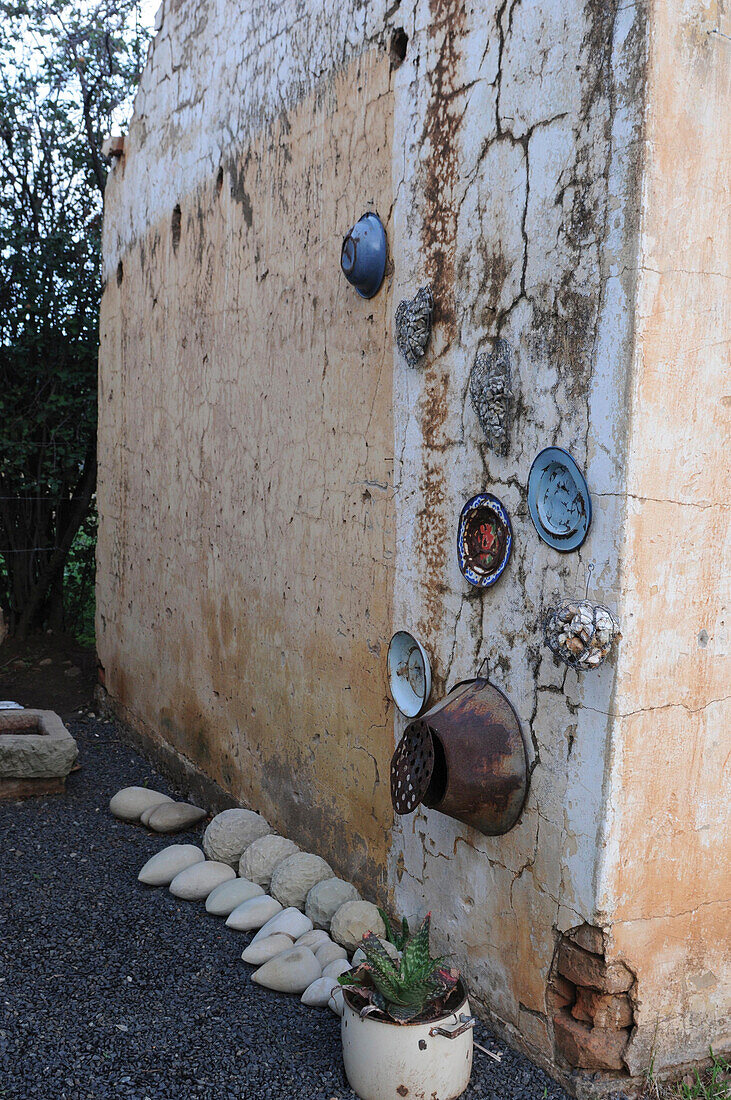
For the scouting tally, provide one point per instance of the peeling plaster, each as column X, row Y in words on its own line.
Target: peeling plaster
column 279, row 491
column 542, row 211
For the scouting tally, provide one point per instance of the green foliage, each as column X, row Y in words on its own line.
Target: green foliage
column 79, row 602
column 66, row 72
column 711, row 1084
column 715, row 1084
column 398, row 939
column 415, row 987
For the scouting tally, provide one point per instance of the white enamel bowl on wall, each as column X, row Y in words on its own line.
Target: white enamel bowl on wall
column 409, row 673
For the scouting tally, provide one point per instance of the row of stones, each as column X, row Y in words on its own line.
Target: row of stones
column 306, row 919
column 160, row 814
column 590, row 999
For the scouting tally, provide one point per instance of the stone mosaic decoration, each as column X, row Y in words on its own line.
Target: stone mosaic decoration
column 491, row 395
column 413, row 325
column 581, row 633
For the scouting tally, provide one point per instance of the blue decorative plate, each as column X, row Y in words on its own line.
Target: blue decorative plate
column 484, row 540
column 558, row 500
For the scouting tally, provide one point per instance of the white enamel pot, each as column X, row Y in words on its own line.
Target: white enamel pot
column 431, row 1061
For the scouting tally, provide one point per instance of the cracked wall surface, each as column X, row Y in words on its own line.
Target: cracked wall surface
column 519, row 190
column 279, row 491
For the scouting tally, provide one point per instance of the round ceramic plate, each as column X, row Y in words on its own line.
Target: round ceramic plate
column 409, row 673
column 558, row 500
column 484, row 540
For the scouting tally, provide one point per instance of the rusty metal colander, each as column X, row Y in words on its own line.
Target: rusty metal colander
column 412, row 765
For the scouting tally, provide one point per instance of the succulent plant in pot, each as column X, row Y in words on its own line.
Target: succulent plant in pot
column 406, row 1022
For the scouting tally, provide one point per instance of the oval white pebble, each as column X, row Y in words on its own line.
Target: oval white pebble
column 163, row 867
column 129, row 803
column 289, row 920
column 290, row 972
column 313, row 939
column 261, row 952
column 336, row 968
column 174, row 817
column 328, row 952
column 222, row 901
column 195, row 883
column 253, row 913
column 318, row 994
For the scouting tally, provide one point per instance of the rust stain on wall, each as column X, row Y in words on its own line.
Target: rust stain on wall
column 442, row 120
column 245, row 599
column 441, row 125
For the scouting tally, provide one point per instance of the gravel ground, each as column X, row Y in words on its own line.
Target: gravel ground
column 110, row 989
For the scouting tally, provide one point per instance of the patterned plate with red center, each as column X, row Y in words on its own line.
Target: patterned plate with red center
column 484, row 540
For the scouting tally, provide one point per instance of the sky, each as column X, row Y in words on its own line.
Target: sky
column 148, row 11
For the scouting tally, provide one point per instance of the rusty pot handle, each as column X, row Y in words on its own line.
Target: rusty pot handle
column 451, row 1031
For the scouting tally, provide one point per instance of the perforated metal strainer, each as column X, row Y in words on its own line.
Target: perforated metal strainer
column 412, row 765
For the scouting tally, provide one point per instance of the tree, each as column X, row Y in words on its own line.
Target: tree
column 67, row 73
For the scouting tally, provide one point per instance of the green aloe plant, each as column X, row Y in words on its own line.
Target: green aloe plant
column 398, row 939
column 416, row 986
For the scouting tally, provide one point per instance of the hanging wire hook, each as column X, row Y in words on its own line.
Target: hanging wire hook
column 483, row 662
column 589, row 571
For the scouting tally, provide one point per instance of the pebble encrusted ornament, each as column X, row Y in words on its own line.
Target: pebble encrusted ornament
column 491, row 395
column 413, row 325
column 581, row 633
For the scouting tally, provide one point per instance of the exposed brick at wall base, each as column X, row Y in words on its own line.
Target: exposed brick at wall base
column 577, row 1082
column 584, row 968
column 592, row 1048
column 592, row 1027
column 602, row 1010
column 589, row 937
column 560, row 994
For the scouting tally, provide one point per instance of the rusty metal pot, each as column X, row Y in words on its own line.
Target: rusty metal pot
column 465, row 757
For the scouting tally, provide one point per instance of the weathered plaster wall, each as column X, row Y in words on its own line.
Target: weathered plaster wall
column 519, row 199
column 279, row 491
column 666, row 885
column 246, row 455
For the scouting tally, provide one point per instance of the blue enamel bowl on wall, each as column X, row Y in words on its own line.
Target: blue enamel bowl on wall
column 558, row 500
column 484, row 540
column 363, row 256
